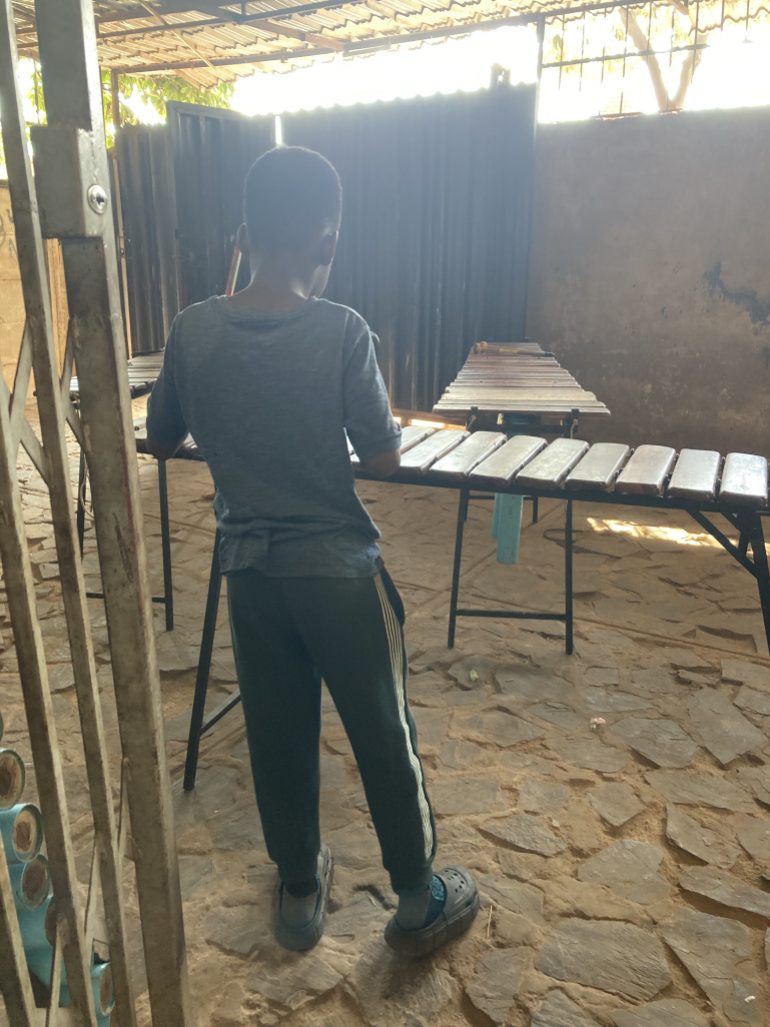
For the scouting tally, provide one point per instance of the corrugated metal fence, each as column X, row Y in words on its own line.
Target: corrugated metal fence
column 434, row 246
column 435, row 233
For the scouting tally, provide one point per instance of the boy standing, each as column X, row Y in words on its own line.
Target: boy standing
column 268, row 382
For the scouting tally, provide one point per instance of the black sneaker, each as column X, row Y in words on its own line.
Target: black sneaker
column 302, row 936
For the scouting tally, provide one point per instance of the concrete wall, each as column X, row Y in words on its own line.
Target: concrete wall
column 12, row 299
column 650, row 273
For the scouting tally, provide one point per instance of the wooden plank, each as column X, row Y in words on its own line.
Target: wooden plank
column 458, row 464
column 744, row 480
column 599, row 467
column 426, row 453
column 646, row 472
column 551, row 467
column 505, row 463
column 695, row 475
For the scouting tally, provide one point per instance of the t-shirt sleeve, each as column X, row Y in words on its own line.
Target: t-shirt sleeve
column 368, row 418
column 165, row 421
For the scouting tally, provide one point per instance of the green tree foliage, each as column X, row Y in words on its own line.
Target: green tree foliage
column 158, row 90
column 155, row 90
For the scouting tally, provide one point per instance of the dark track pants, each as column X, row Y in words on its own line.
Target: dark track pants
column 351, row 630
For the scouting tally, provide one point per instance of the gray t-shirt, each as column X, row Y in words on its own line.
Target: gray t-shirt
column 268, row 400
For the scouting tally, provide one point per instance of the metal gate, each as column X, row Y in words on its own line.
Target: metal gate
column 68, row 198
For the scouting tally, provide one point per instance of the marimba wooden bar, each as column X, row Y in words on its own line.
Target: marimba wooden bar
column 519, row 379
column 143, row 372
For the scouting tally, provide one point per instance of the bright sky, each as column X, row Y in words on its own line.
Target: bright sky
column 732, row 73
column 453, row 65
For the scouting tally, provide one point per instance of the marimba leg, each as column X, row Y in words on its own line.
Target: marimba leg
column 761, row 572
column 568, row 594
column 462, row 514
column 80, row 509
column 204, row 666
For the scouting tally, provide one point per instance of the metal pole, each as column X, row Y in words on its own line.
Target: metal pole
column 761, row 571
column 73, row 141
column 568, row 595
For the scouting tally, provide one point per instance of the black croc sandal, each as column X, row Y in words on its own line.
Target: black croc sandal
column 306, row 936
column 459, row 912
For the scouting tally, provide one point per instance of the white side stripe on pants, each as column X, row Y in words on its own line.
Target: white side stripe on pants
column 396, row 648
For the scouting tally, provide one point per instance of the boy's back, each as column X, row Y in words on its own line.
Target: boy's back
column 267, row 398
column 268, row 381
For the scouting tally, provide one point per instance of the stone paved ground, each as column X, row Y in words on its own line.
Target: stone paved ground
column 613, row 804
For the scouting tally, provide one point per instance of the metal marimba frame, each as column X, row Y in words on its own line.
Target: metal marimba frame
column 746, row 521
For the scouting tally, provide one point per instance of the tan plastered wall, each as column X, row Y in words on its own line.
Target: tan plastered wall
column 650, row 273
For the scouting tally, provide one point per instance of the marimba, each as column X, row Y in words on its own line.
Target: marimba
column 143, row 371
column 507, row 381
column 700, row 482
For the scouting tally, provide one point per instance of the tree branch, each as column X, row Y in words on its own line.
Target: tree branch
column 642, row 42
column 691, row 62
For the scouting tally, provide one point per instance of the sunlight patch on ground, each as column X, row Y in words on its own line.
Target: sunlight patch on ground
column 655, row 532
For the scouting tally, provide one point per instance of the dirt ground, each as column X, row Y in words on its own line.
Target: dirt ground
column 613, row 803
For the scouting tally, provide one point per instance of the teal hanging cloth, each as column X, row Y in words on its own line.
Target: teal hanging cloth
column 506, row 527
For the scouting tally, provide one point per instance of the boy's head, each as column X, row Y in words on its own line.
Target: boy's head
column 292, row 206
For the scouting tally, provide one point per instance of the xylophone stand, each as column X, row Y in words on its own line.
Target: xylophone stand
column 167, row 599
column 454, row 611
column 199, row 727
column 750, row 533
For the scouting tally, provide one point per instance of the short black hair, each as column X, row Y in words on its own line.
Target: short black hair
column 290, row 192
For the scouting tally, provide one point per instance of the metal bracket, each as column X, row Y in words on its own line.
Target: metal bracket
column 73, row 201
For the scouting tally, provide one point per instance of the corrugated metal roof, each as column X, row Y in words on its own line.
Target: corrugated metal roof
column 209, row 41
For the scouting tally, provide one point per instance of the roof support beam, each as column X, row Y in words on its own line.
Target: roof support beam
column 350, row 47
column 219, row 10
column 382, row 42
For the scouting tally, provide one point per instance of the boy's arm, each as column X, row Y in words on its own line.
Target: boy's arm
column 375, row 435
column 166, row 428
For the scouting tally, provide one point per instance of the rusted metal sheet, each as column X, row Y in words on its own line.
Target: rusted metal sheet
column 211, row 151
